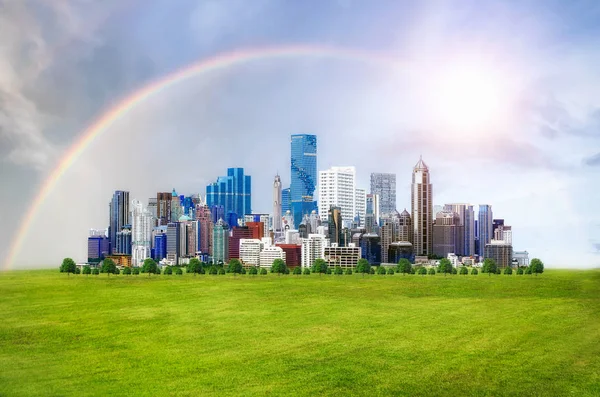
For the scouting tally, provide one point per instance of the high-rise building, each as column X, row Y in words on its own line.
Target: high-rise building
column 373, row 208
column 467, row 220
column 163, row 208
column 123, row 246
column 175, row 206
column 220, row 242
column 448, row 234
column 173, row 243
column 422, row 209
column 388, row 236
column 370, row 245
column 119, row 217
column 153, row 209
column 335, row 225
column 337, row 187
column 277, row 204
column 233, row 192
column 485, row 223
column 238, row 234
column 141, row 233
column 500, row 252
column 360, row 205
column 384, row 185
column 303, row 175
column 205, row 226
column 405, row 228
column 313, row 248
column 98, row 246
column 285, row 200
column 160, row 246
column 293, row 254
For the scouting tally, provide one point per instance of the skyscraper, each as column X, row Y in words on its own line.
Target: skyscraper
column 119, row 217
column 360, row 205
column 384, row 185
column 303, row 175
column 277, row 204
column 173, row 246
column 405, row 227
column 141, row 233
column 205, row 227
column 220, row 242
column 448, row 234
column 285, row 200
column 421, row 209
column 335, row 225
column 163, row 208
column 233, row 192
column 337, row 187
column 485, row 223
column 467, row 220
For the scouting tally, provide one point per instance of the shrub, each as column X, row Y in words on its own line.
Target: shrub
column 87, row 270
column 520, row 271
column 306, row 271
column 213, row 270
column 431, row 271
column 117, row 271
column 422, row 270
column 136, row 271
column 528, row 270
column 235, row 266
column 243, row 271
column 278, row 266
column 371, row 271
column 404, row 266
column 348, row 271
column 297, row 270
column 338, row 270
column 150, row 266
column 474, row 272
column 178, row 271
column 253, row 270
column 221, row 271
column 536, row 266
column 127, row 270
column 508, row 270
column 263, row 271
column 95, row 271
column 489, row 266
column 381, row 270
column 498, row 271
column 363, row 266
column 168, row 271
column 464, row 270
column 328, row 270
column 390, row 271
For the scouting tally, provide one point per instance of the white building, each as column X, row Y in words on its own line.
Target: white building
column 521, row 258
column 323, row 230
column 292, row 236
column 269, row 254
column 337, row 186
column 250, row 249
column 313, row 248
column 453, row 259
column 141, row 233
column 360, row 204
column 276, row 204
column 344, row 257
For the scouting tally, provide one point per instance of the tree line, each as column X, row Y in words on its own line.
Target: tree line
column 195, row 266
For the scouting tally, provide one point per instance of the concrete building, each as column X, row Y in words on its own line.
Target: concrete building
column 205, row 227
column 485, row 224
column 389, row 234
column 313, row 248
column 467, row 220
column 141, row 233
column 345, row 257
column 422, row 209
column 277, row 214
column 163, row 208
column 372, row 213
column 292, row 237
column 237, row 235
column 360, row 205
column 405, row 227
column 521, row 258
column 337, row 188
column 384, row 186
column 98, row 246
column 500, row 252
column 293, row 254
column 270, row 253
column 249, row 250
column 448, row 234
column 173, row 244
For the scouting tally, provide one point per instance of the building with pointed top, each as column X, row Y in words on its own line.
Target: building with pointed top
column 422, row 209
column 277, row 204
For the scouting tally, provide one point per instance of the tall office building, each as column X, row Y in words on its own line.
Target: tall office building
column 176, row 208
column 173, row 243
column 337, row 187
column 153, row 209
column 389, row 234
column 142, row 223
column 448, row 234
column 163, row 208
column 205, row 226
column 422, row 209
column 277, row 204
column 334, row 223
column 360, row 205
column 313, row 248
column 233, row 192
column 119, row 217
column 303, row 175
column 405, row 227
column 467, row 220
column 285, row 200
column 485, row 223
column 220, row 242
column 384, row 185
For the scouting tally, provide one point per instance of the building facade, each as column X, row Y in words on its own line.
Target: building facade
column 384, row 186
column 249, row 251
column 277, row 208
column 303, row 172
column 360, row 205
column 98, row 246
column 142, row 223
column 232, row 192
column 345, row 257
column 467, row 220
column 220, row 242
column 500, row 252
column 448, row 234
column 335, row 227
column 401, row 250
column 119, row 217
column 173, row 244
column 485, row 225
column 269, row 254
column 337, row 187
column 422, row 209
column 313, row 248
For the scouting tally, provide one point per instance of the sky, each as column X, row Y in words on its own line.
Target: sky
column 500, row 99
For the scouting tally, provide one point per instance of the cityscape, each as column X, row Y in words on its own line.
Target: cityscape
column 323, row 214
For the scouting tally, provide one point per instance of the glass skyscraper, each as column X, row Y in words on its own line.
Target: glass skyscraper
column 485, row 224
column 384, row 185
column 233, row 192
column 303, row 175
column 285, row 200
column 119, row 217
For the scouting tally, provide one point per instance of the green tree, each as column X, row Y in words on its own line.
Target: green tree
column 320, row 266
column 404, row 266
column 329, row 271
column 349, row 272
column 168, row 271
column 213, row 270
column 372, row 270
column 474, row 272
column 253, row 270
column 127, row 270
column 68, row 266
column 178, row 271
column 363, row 266
column 95, row 271
column 77, row 270
column 87, row 270
column 306, row 271
column 445, row 266
column 243, row 271
column 150, row 267
column 528, row 270
column 508, row 270
column 390, row 271
column 297, row 270
column 431, row 271
column 380, row 270
column 489, row 266
column 109, row 267
column 520, row 271
column 338, row 271
column 278, row 267
column 136, row 271
column 234, row 266
column 422, row 270
column 464, row 270
column 536, row 266
column 263, row 271
column 195, row 266
column 221, row 271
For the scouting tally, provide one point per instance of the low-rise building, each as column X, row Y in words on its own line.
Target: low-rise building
column 269, row 254
column 345, row 257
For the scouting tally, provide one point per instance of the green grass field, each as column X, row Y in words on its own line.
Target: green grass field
column 300, row 335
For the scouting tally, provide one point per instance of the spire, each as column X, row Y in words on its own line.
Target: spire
column 421, row 164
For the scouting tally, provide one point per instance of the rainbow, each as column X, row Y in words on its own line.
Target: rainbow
column 202, row 67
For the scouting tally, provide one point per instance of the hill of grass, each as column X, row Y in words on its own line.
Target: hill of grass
column 300, row 335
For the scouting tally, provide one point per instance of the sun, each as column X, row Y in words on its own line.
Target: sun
column 469, row 97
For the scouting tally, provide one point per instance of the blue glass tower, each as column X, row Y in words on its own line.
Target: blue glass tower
column 285, row 200
column 233, row 192
column 485, row 224
column 303, row 176
column 119, row 217
column 160, row 247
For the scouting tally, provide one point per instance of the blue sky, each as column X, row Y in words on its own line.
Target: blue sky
column 535, row 159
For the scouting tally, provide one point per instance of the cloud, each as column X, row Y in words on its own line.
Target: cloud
column 592, row 161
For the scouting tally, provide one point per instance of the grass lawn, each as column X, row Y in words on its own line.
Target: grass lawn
column 300, row 335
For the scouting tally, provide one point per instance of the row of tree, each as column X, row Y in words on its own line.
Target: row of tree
column 279, row 267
